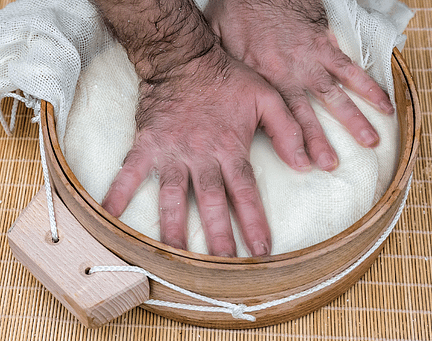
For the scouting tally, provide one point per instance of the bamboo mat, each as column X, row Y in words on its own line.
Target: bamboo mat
column 392, row 301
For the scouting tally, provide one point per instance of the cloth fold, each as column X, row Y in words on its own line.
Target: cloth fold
column 61, row 52
column 44, row 45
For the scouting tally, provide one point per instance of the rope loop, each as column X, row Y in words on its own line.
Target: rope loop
column 35, row 104
column 238, row 310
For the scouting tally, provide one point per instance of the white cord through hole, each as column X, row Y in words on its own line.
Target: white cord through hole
column 239, row 311
column 35, row 104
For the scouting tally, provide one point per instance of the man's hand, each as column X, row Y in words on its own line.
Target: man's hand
column 199, row 127
column 197, row 115
column 288, row 42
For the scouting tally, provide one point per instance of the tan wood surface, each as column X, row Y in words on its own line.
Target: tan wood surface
column 245, row 280
column 61, row 267
column 390, row 302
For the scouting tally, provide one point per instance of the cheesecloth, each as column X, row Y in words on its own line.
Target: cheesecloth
column 61, row 52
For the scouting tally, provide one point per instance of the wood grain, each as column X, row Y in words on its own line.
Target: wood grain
column 392, row 301
column 61, row 267
column 246, row 280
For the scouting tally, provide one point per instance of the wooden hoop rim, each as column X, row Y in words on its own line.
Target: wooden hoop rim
column 82, row 205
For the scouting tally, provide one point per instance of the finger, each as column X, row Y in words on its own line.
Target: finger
column 285, row 132
column 244, row 195
column 134, row 171
column 325, row 89
column 317, row 145
column 173, row 204
column 213, row 208
column 356, row 79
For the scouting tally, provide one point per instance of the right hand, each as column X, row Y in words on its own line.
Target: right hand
column 288, row 42
column 196, row 127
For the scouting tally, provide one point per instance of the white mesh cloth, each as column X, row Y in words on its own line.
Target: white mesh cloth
column 44, row 45
column 55, row 51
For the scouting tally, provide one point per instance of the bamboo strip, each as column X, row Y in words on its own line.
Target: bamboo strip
column 391, row 302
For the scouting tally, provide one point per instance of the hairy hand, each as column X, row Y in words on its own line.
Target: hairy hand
column 196, row 127
column 288, row 42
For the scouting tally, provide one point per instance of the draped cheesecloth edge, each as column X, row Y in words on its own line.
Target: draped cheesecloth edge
column 14, row 74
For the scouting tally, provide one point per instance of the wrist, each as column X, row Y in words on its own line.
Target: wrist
column 208, row 70
column 158, row 36
column 198, row 77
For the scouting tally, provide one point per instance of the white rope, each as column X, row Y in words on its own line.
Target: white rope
column 35, row 104
column 236, row 310
column 239, row 310
column 9, row 128
column 48, row 191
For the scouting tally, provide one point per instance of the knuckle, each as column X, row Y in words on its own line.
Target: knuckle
column 322, row 82
column 221, row 235
column 214, row 201
column 171, row 176
column 331, row 93
column 221, row 241
column 350, row 72
column 211, row 178
column 129, row 175
column 171, row 196
column 341, row 60
column 300, row 108
column 293, row 93
column 313, row 135
column 245, row 196
column 293, row 129
column 356, row 121
column 269, row 97
column 369, row 85
column 132, row 157
column 350, row 108
column 323, row 85
column 168, row 213
column 251, row 228
column 243, row 170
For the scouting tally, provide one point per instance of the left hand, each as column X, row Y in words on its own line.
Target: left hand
column 288, row 42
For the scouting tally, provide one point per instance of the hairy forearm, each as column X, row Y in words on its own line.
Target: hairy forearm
column 158, row 35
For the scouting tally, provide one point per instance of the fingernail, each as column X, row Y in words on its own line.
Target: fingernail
column 301, row 159
column 259, row 249
column 108, row 208
column 387, row 107
column 326, row 162
column 368, row 138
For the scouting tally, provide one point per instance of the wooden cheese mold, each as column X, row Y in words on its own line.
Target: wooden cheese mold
column 248, row 281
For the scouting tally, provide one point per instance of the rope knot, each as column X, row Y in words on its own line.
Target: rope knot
column 30, row 102
column 36, row 118
column 33, row 103
column 238, row 311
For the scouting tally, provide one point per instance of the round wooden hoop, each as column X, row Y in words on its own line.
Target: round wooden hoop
column 249, row 281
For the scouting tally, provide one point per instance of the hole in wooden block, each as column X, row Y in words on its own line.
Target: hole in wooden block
column 50, row 240
column 64, row 266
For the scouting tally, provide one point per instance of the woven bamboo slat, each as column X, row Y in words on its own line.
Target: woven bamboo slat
column 392, row 301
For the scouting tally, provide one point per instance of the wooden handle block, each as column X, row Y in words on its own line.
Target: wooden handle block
column 61, row 267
